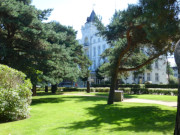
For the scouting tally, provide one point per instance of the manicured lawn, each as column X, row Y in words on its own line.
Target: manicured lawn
column 167, row 98
column 82, row 115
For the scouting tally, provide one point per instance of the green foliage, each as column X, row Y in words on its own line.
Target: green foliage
column 99, row 74
column 45, row 52
column 169, row 69
column 173, row 80
column 15, row 94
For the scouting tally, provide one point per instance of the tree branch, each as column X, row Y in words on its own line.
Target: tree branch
column 145, row 63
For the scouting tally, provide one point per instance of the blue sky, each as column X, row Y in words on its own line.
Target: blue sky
column 75, row 12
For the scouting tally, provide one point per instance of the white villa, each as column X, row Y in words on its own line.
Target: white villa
column 94, row 46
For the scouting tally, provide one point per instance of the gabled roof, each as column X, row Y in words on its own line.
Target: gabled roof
column 92, row 17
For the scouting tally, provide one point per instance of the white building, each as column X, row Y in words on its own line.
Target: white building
column 94, row 46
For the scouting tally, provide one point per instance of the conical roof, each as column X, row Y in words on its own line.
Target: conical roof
column 92, row 17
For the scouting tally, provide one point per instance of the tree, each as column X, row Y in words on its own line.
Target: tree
column 66, row 59
column 22, row 37
column 139, row 35
column 99, row 74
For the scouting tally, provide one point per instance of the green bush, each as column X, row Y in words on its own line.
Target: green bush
column 132, row 85
column 173, row 80
column 161, row 86
column 15, row 94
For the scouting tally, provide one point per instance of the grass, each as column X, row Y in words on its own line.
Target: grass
column 167, row 98
column 82, row 115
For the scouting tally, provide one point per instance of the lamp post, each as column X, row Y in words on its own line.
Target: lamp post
column 177, row 60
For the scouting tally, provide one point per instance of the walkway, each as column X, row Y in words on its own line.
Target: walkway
column 136, row 100
column 133, row 100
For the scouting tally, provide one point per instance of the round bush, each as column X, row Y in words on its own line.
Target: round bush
column 15, row 94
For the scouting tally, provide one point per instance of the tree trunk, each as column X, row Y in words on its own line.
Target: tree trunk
column 46, row 88
column 34, row 90
column 177, row 125
column 112, row 88
column 116, row 88
column 88, row 87
column 54, row 88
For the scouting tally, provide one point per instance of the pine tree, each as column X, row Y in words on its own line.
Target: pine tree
column 139, row 35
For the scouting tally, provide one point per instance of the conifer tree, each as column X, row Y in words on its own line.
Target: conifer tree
column 139, row 35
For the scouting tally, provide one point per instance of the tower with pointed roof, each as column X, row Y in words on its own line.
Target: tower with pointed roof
column 93, row 44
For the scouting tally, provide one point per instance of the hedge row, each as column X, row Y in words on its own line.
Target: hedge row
column 161, row 86
column 126, row 90
column 150, row 91
column 140, row 85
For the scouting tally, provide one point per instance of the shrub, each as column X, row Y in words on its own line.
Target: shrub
column 161, row 86
column 132, row 85
column 173, row 80
column 15, row 94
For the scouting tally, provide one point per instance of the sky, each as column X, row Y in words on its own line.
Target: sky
column 75, row 12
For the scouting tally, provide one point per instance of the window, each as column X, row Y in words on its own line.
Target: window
column 94, row 41
column 143, row 78
column 148, row 77
column 104, row 48
column 94, row 64
column 99, row 50
column 156, row 64
column 99, row 61
column 87, row 52
column 94, row 51
column 156, row 77
column 98, row 39
column 86, row 41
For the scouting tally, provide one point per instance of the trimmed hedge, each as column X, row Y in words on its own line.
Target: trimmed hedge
column 150, row 91
column 161, row 86
column 139, row 85
column 133, row 90
column 101, row 85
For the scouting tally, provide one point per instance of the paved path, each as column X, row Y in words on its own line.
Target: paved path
column 133, row 100
column 136, row 100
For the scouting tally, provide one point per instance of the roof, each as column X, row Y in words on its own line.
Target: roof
column 91, row 18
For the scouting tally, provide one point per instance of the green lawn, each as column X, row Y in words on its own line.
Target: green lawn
column 81, row 115
column 167, row 98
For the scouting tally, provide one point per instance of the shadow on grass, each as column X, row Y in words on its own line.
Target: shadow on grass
column 48, row 93
column 85, row 98
column 125, row 95
column 46, row 100
column 137, row 119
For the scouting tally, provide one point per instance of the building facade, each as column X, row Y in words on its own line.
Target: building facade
column 95, row 45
